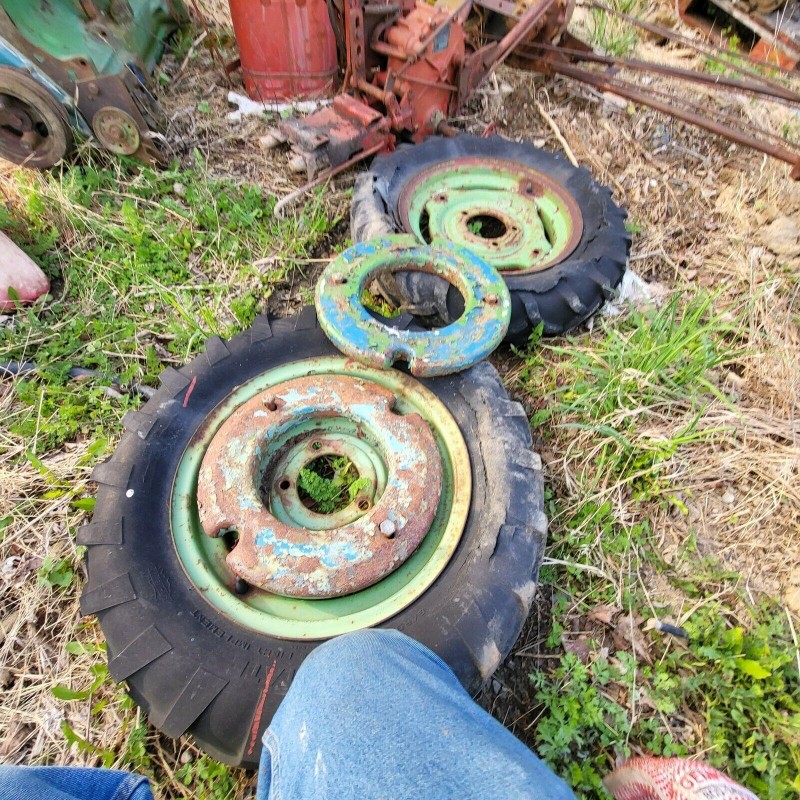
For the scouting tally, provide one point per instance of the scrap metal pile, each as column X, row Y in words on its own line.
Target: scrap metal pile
column 81, row 68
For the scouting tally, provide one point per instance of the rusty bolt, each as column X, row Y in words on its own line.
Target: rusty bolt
column 338, row 279
column 492, row 299
column 269, row 402
column 388, row 528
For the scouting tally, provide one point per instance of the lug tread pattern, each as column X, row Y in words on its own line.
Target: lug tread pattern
column 144, row 649
column 195, row 697
column 113, row 592
column 97, row 532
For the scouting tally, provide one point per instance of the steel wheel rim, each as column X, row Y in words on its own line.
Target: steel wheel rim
column 203, row 558
column 515, row 217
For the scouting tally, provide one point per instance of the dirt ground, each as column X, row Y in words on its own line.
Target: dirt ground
column 705, row 213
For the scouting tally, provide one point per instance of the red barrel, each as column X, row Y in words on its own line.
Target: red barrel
column 287, row 48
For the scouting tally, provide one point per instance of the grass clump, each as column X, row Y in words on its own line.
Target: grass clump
column 610, row 33
column 145, row 266
column 626, row 415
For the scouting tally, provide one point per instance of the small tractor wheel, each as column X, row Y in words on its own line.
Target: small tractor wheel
column 34, row 128
column 206, row 651
column 554, row 234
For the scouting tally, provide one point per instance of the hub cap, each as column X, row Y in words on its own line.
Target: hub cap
column 514, row 217
column 327, row 422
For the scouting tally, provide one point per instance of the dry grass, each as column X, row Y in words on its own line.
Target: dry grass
column 702, row 212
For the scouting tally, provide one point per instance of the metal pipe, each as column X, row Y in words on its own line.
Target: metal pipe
column 766, row 89
column 638, row 96
column 731, row 59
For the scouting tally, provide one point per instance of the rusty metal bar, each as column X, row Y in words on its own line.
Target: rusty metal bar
column 488, row 58
column 720, row 54
column 324, row 176
column 765, row 88
column 637, row 95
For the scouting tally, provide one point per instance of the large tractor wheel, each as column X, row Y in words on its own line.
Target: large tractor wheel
column 213, row 577
column 34, row 129
column 548, row 227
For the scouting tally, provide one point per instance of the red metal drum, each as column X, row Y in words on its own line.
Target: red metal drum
column 287, row 48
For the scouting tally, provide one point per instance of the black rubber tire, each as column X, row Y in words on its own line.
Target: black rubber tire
column 193, row 669
column 18, row 83
column 559, row 297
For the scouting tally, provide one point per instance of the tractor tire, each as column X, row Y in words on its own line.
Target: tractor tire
column 195, row 669
column 558, row 295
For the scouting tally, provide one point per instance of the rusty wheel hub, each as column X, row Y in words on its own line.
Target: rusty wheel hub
column 249, row 482
column 515, row 217
column 34, row 130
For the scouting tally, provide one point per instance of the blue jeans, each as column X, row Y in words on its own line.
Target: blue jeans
column 372, row 714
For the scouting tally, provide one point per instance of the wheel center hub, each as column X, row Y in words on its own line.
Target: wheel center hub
column 249, row 479
column 516, row 218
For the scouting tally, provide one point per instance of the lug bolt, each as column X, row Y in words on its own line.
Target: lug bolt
column 492, row 299
column 388, row 528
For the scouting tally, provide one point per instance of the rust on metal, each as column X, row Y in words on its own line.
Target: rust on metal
column 377, row 533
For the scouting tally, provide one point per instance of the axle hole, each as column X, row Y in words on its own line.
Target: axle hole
column 486, row 226
column 328, row 484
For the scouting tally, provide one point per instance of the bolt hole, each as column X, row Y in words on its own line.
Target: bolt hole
column 363, row 505
column 241, row 586
column 316, row 445
column 230, row 538
column 284, row 484
column 270, row 405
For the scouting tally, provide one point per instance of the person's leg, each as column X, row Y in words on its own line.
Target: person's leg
column 375, row 714
column 71, row 783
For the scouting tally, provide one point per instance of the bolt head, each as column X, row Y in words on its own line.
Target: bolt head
column 388, row 528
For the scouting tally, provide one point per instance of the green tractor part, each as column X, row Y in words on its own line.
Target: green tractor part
column 81, row 65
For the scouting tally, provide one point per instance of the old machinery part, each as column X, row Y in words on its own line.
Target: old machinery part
column 554, row 234
column 205, row 651
column 299, row 62
column 93, row 59
column 769, row 29
column 116, row 131
column 34, row 128
column 288, row 549
column 478, row 330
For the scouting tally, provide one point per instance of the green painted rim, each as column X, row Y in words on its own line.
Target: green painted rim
column 514, row 217
column 203, row 557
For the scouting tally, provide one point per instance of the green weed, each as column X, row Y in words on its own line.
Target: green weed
column 611, row 34
column 207, row 779
column 730, row 694
column 655, row 367
column 330, row 483
column 56, row 572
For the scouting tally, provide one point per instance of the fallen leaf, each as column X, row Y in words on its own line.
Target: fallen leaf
column 627, row 635
column 604, row 614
